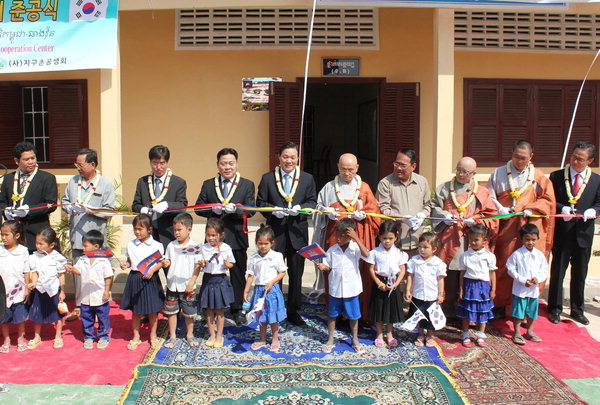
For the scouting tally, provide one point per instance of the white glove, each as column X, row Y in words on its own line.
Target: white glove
column 294, row 210
column 469, row 222
column 22, row 211
column 9, row 214
column 217, row 209
column 590, row 213
column 332, row 216
column 78, row 209
column 504, row 210
column 359, row 215
column 449, row 219
column 527, row 213
column 279, row 213
column 229, row 208
column 566, row 210
column 146, row 210
column 417, row 221
column 68, row 209
column 160, row 207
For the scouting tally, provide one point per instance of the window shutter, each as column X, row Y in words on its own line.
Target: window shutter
column 399, row 122
column 11, row 121
column 515, row 118
column 285, row 110
column 481, row 124
column 585, row 123
column 67, row 120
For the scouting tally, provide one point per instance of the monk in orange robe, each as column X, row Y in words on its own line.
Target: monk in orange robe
column 348, row 194
column 474, row 202
column 519, row 187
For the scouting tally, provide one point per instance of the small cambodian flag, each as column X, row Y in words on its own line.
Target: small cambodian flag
column 104, row 252
column 145, row 265
column 312, row 252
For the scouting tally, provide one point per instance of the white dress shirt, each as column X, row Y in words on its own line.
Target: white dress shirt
column 48, row 267
column 13, row 266
column 93, row 276
column 425, row 274
column 265, row 268
column 477, row 264
column 344, row 276
column 215, row 257
column 138, row 250
column 387, row 262
column 523, row 265
column 182, row 265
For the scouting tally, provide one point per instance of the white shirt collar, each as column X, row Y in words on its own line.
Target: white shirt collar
column 283, row 173
column 574, row 173
column 147, row 242
column 269, row 255
column 162, row 178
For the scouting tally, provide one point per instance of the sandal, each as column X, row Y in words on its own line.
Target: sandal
column 58, row 343
column 430, row 342
column 21, row 347
column 133, row 344
column 533, row 337
column 467, row 342
column 33, row 343
column 359, row 349
column 169, row 344
column 210, row 342
column 379, row 343
column 219, row 343
column 191, row 341
column 420, row 342
column 154, row 343
column 4, row 348
column 257, row 345
column 518, row 339
column 392, row 342
column 275, row 347
column 481, row 342
column 327, row 348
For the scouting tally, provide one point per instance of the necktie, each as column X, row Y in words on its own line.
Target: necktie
column 24, row 178
column 287, row 183
column 577, row 183
column 225, row 188
column 157, row 187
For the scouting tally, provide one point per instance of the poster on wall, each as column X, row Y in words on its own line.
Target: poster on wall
column 49, row 35
column 255, row 93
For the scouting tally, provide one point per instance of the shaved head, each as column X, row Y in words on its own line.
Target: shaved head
column 348, row 159
column 467, row 163
column 465, row 169
column 348, row 167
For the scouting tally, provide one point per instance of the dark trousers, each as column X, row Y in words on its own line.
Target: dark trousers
column 578, row 257
column 237, row 276
column 452, row 290
column 89, row 314
column 295, row 264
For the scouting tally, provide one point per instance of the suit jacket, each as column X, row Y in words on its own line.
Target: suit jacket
column 234, row 223
column 567, row 232
column 42, row 191
column 175, row 197
column 295, row 227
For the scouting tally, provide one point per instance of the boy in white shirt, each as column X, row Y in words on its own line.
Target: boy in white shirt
column 528, row 267
column 96, row 275
column 183, row 256
column 345, row 284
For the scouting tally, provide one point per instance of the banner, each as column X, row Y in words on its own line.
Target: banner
column 478, row 4
column 49, row 35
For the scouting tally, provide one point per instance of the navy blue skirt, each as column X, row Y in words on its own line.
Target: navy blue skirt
column 216, row 291
column 476, row 305
column 16, row 313
column 43, row 308
column 274, row 310
column 142, row 296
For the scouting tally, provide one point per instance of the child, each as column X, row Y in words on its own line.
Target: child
column 47, row 283
column 96, row 281
column 216, row 293
column 183, row 259
column 388, row 264
column 528, row 267
column 143, row 294
column 425, row 284
column 266, row 268
column 477, row 284
column 345, row 284
column 14, row 272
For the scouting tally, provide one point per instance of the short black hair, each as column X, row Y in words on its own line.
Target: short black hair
column 94, row 237
column 529, row 229
column 91, row 156
column 430, row 238
column 184, row 218
column 16, row 226
column 345, row 223
column 216, row 224
column 266, row 231
column 227, row 151
column 23, row 147
column 480, row 229
column 590, row 147
column 288, row 145
column 159, row 151
column 142, row 219
column 410, row 153
column 523, row 144
column 49, row 236
column 388, row 227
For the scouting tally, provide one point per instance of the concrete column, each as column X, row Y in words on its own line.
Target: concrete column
column 443, row 58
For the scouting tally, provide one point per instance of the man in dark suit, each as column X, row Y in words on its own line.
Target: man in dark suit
column 32, row 188
column 577, row 191
column 228, row 188
column 289, row 189
column 159, row 191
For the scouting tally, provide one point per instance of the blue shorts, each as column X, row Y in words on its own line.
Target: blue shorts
column 524, row 307
column 348, row 306
column 176, row 301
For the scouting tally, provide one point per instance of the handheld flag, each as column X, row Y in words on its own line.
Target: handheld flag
column 390, row 283
column 256, row 311
column 312, row 252
column 145, row 265
column 436, row 316
column 411, row 323
column 11, row 295
column 104, row 252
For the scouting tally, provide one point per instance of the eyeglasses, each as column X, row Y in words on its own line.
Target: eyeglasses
column 156, row 163
column 81, row 165
column 463, row 172
column 227, row 164
column 401, row 165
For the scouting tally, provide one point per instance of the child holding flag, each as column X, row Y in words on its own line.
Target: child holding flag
column 96, row 274
column 345, row 284
column 143, row 293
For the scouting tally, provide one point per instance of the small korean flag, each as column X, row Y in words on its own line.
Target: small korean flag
column 256, row 311
column 411, row 323
column 436, row 316
column 87, row 10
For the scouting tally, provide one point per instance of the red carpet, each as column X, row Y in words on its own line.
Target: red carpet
column 73, row 364
column 567, row 350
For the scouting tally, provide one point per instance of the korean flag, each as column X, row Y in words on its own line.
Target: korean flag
column 87, row 10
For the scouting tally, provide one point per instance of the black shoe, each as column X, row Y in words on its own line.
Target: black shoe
column 580, row 318
column 144, row 319
column 240, row 318
column 296, row 319
column 554, row 318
